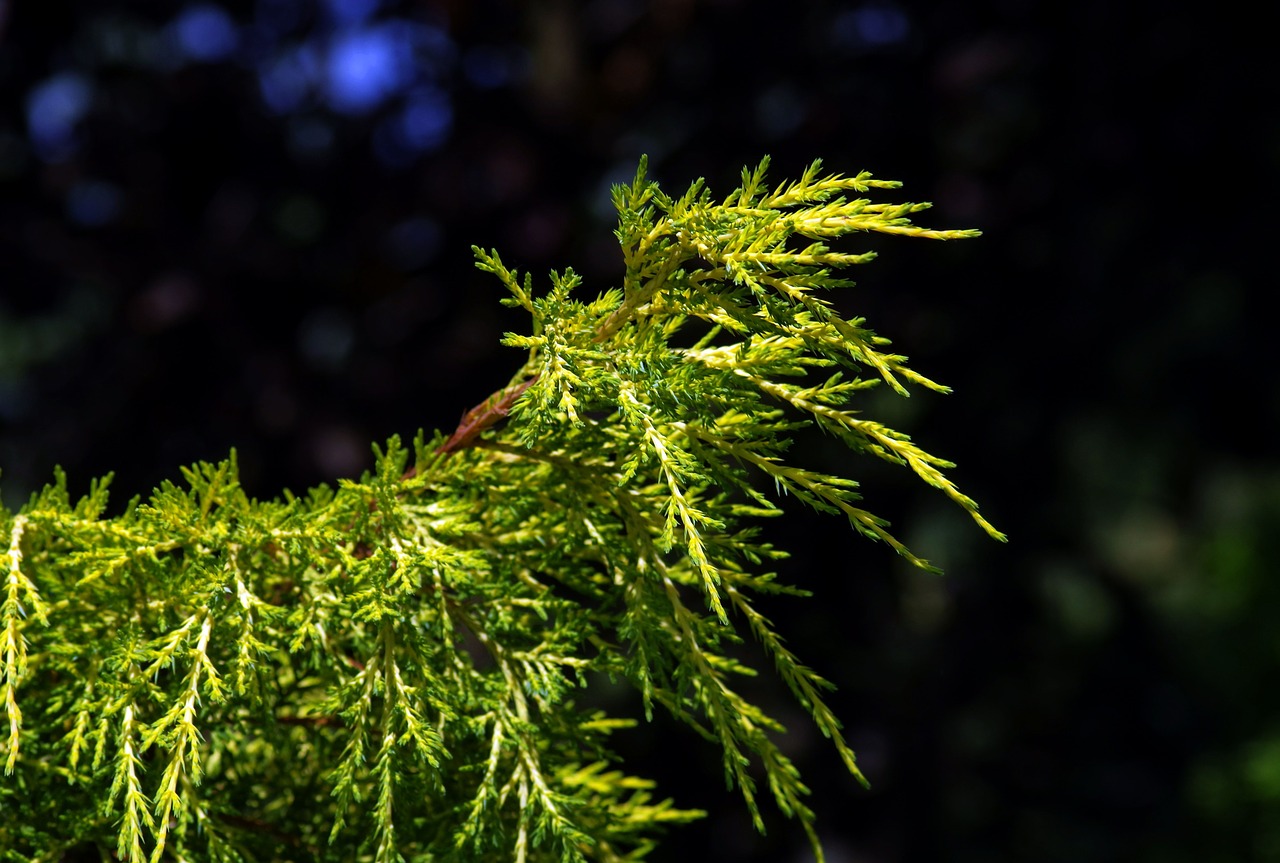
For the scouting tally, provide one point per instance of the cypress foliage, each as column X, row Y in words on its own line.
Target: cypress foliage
column 390, row 669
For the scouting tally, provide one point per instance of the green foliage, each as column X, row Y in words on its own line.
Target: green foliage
column 401, row 668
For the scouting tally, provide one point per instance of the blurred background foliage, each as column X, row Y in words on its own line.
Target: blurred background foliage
column 247, row 224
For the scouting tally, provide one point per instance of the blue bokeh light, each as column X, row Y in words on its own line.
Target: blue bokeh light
column 205, row 33
column 54, row 107
column 277, row 18
column 423, row 124
column 347, row 13
column 338, row 55
column 427, row 119
column 435, row 50
column 287, row 80
column 873, row 25
column 367, row 66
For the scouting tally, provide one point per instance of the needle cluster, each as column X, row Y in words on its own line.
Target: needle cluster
column 405, row 667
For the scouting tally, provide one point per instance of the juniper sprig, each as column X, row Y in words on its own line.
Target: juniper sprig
column 401, row 667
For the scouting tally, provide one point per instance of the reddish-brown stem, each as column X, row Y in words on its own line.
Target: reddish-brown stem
column 483, row 416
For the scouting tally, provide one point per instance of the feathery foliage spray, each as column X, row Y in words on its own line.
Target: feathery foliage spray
column 391, row 670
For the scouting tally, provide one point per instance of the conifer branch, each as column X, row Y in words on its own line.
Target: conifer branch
column 389, row 669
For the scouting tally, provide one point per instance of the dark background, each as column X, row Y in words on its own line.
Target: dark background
column 246, row 224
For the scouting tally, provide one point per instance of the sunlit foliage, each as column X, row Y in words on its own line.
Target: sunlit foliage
column 401, row 668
